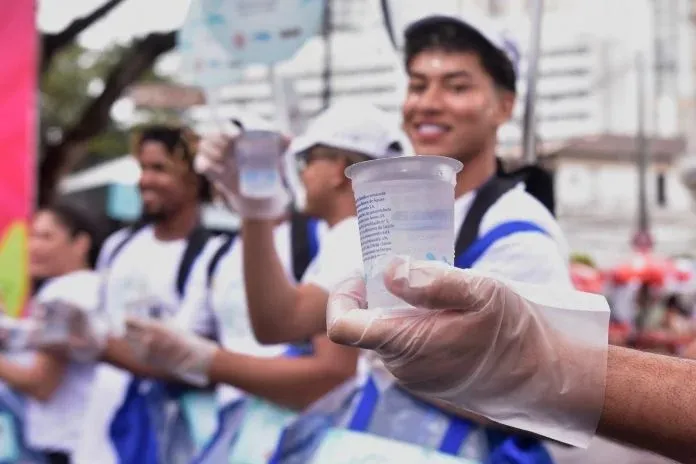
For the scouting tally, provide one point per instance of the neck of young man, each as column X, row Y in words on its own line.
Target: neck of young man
column 343, row 208
column 178, row 226
column 476, row 171
column 75, row 266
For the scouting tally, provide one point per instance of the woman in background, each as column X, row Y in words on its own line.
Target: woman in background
column 63, row 245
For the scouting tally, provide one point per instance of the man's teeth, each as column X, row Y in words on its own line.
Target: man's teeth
column 431, row 129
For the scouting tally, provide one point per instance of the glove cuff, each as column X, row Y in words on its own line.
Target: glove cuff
column 195, row 369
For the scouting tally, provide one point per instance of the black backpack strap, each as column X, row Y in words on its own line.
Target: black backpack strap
column 194, row 245
column 539, row 183
column 304, row 241
column 131, row 231
column 486, row 196
column 219, row 253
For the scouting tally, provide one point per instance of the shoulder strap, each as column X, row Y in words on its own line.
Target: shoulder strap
column 304, row 242
column 486, row 196
column 219, row 253
column 467, row 258
column 194, row 245
column 131, row 231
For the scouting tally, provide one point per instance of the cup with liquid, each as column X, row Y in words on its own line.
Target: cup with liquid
column 405, row 206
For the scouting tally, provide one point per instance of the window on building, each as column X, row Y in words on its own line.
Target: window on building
column 661, row 189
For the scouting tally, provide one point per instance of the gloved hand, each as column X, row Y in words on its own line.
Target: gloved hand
column 173, row 349
column 215, row 159
column 18, row 334
column 527, row 356
column 66, row 328
column 57, row 327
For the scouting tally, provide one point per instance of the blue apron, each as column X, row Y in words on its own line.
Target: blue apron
column 394, row 415
column 254, row 431
column 156, row 424
column 13, row 448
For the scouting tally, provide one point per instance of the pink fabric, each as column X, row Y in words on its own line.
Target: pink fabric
column 18, row 115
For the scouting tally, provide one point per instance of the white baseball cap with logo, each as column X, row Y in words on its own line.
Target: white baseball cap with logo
column 358, row 127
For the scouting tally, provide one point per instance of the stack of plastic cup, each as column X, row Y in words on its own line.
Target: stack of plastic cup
column 405, row 207
column 258, row 158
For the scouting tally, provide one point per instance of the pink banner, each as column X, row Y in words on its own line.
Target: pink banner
column 18, row 82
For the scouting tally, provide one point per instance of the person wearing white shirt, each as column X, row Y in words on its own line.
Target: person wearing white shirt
column 146, row 269
column 298, row 382
column 63, row 244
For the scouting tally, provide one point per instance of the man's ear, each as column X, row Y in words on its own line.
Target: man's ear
column 83, row 244
column 338, row 174
column 506, row 105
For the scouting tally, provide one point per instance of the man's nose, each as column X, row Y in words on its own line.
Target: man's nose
column 431, row 99
column 146, row 179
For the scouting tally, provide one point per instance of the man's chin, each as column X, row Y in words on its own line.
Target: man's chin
column 154, row 215
column 432, row 151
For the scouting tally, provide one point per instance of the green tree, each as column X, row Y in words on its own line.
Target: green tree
column 75, row 77
column 74, row 123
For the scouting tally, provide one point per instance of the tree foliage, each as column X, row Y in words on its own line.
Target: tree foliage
column 78, row 90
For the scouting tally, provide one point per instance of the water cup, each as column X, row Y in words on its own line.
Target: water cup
column 56, row 318
column 405, row 207
column 257, row 153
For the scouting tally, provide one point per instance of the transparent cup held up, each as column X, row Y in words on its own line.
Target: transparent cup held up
column 257, row 154
column 405, row 206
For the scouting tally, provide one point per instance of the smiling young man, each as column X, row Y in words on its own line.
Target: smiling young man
column 146, row 264
column 461, row 90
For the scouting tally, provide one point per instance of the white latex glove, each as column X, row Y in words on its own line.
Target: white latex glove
column 527, row 356
column 67, row 328
column 215, row 159
column 18, row 334
column 173, row 349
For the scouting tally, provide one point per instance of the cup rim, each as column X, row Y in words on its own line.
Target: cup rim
column 455, row 165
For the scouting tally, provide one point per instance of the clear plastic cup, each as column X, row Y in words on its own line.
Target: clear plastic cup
column 405, row 207
column 56, row 328
column 257, row 155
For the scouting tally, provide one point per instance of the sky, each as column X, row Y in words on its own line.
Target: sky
column 131, row 18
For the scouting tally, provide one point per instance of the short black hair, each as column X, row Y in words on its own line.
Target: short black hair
column 180, row 142
column 78, row 220
column 451, row 35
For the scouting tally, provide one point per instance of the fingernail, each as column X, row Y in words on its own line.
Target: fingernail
column 401, row 269
column 408, row 273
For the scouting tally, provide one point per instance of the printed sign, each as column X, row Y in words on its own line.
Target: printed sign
column 262, row 31
column 204, row 60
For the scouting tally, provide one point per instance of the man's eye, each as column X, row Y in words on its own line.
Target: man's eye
column 459, row 88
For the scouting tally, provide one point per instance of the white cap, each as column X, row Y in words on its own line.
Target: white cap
column 478, row 24
column 357, row 127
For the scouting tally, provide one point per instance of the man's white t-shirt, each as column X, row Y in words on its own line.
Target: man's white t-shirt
column 531, row 257
column 224, row 306
column 145, row 268
column 340, row 256
column 54, row 425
